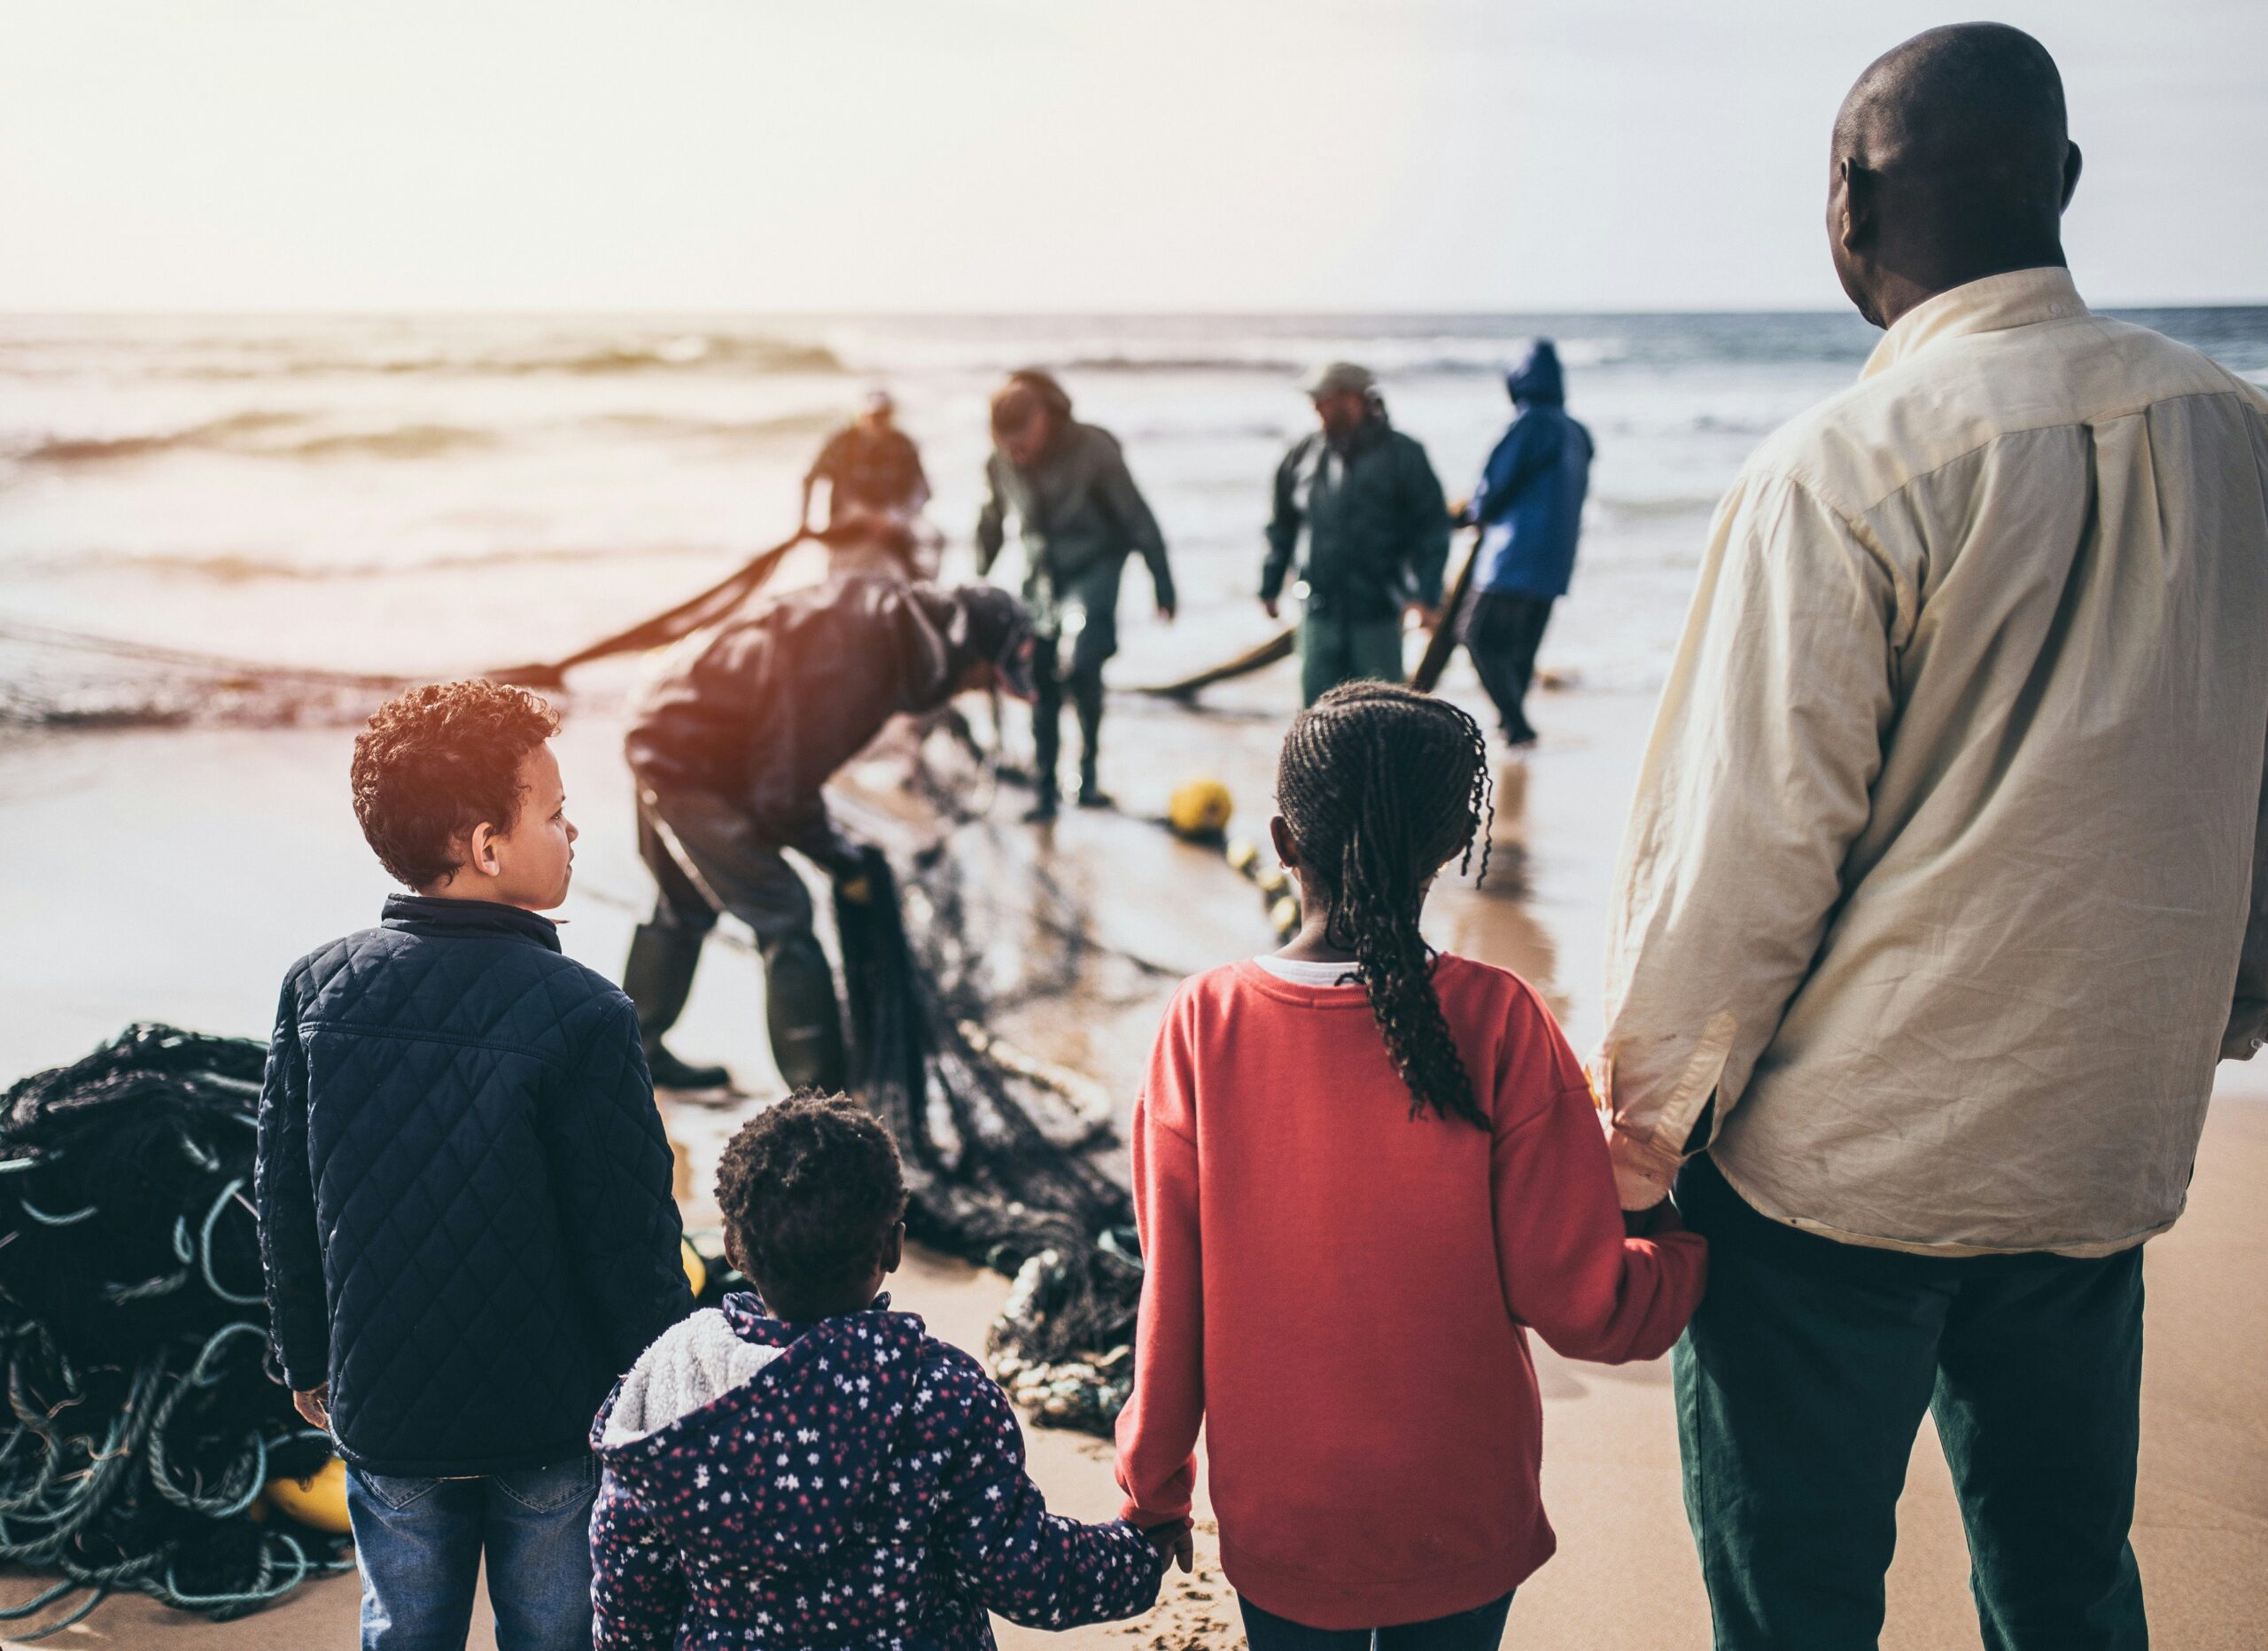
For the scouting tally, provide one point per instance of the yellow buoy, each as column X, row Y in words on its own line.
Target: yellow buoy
column 1244, row 855
column 319, row 1501
column 1274, row 881
column 696, row 1270
column 1199, row 807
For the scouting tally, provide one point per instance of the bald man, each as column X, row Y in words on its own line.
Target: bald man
column 1944, row 889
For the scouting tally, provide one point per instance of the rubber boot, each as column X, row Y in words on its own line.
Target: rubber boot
column 1047, row 747
column 657, row 979
column 800, row 1011
column 1086, row 698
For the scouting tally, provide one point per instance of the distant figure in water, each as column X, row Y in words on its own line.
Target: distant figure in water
column 1080, row 516
column 733, row 747
column 1366, row 499
column 1945, row 889
column 876, row 489
column 1529, row 509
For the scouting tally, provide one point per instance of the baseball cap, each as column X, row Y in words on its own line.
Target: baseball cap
column 1339, row 378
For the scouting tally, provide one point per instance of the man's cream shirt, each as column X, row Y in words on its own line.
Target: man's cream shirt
column 1947, row 847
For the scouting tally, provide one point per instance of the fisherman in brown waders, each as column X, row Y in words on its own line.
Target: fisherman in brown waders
column 732, row 748
column 875, row 491
column 1079, row 515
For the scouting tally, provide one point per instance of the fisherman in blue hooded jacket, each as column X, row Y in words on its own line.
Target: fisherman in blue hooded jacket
column 1529, row 509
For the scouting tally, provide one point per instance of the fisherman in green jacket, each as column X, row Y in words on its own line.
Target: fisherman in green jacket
column 1377, row 530
column 1079, row 515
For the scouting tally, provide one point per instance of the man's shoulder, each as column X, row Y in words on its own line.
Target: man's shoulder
column 1095, row 444
column 1401, row 443
column 1864, row 443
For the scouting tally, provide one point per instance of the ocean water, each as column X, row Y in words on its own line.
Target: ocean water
column 436, row 494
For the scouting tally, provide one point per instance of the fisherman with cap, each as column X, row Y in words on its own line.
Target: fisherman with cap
column 1377, row 530
column 1529, row 509
column 1079, row 515
column 875, row 491
column 732, row 747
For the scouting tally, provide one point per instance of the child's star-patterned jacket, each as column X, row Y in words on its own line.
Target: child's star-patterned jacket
column 848, row 1482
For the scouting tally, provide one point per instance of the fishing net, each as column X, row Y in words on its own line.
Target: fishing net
column 67, row 679
column 142, row 1423
column 998, row 1162
column 63, row 679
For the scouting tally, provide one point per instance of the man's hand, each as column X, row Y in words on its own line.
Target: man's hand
column 1174, row 1545
column 1267, row 606
column 314, row 1406
column 1166, row 612
column 1430, row 618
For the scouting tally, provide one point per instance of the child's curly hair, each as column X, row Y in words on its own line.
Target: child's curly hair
column 809, row 1189
column 436, row 761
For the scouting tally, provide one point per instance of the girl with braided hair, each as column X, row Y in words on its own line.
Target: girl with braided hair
column 1363, row 1172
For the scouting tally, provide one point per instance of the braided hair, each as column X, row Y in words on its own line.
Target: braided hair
column 1381, row 786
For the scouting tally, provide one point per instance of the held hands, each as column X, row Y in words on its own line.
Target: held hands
column 1173, row 1543
column 314, row 1406
column 1268, row 605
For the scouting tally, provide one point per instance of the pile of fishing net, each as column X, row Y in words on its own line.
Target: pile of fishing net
column 998, row 1155
column 143, row 1426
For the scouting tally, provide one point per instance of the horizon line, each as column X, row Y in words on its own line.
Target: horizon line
column 657, row 312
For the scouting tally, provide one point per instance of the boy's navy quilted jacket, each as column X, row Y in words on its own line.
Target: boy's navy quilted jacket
column 463, row 1190
column 852, row 1482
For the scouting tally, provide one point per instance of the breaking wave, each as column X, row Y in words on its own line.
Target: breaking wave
column 232, row 567
column 281, row 435
column 260, row 434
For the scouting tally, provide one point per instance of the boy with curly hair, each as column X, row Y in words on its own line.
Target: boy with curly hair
column 813, row 1469
column 464, row 1189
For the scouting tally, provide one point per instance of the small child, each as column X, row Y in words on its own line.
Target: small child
column 813, row 1469
column 1363, row 1173
column 464, row 1190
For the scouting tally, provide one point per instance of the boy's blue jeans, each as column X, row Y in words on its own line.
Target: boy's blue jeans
column 420, row 1543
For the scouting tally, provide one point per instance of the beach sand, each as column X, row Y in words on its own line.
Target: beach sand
column 176, row 875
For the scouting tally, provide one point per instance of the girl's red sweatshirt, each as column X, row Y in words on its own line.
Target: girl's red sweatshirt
column 1342, row 1293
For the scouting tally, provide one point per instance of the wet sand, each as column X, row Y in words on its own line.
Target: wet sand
column 176, row 875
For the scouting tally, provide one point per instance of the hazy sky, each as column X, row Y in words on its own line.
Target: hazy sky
column 1052, row 154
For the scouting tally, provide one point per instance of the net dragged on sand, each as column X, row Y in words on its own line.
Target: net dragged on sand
column 986, row 1179
column 142, row 1423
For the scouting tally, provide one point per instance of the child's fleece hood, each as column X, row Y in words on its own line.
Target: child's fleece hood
column 743, row 1424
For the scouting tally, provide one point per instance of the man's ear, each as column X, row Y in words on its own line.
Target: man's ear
column 1854, row 203
column 893, row 1251
column 2071, row 174
column 1287, row 847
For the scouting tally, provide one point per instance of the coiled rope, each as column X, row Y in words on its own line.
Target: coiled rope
column 141, row 1425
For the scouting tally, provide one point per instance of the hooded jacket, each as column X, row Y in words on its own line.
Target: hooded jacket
column 764, row 711
column 1376, row 527
column 1080, row 516
column 851, row 1483
column 1529, row 502
column 463, row 1190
